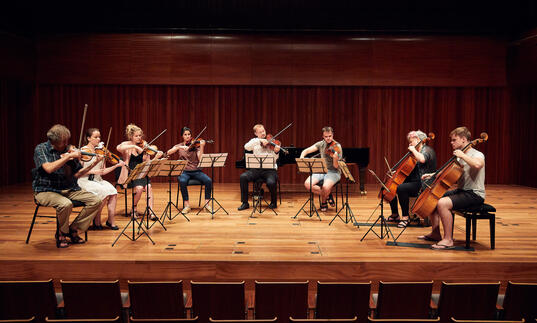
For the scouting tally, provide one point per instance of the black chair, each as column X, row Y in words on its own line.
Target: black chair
column 342, row 300
column 157, row 300
column 112, row 320
column 76, row 204
column 257, row 189
column 404, row 300
column 519, row 301
column 281, row 300
column 467, row 301
column 482, row 212
column 21, row 300
column 191, row 182
column 339, row 191
column 218, row 300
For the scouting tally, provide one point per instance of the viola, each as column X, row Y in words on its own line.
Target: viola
column 196, row 144
column 86, row 154
column 445, row 177
column 108, row 155
column 400, row 171
column 333, row 148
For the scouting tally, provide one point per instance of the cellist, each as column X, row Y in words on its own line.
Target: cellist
column 469, row 193
column 426, row 163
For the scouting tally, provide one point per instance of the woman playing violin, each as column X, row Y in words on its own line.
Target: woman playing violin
column 94, row 183
column 135, row 151
column 426, row 163
column 470, row 191
column 191, row 151
column 331, row 151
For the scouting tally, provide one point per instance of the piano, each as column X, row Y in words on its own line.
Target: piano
column 359, row 156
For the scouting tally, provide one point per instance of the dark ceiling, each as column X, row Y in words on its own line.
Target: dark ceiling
column 503, row 18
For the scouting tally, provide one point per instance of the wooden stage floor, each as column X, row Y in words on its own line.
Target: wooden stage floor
column 269, row 247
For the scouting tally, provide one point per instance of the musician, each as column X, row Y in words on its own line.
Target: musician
column 470, row 191
column 259, row 145
column 94, row 183
column 426, row 163
column 134, row 152
column 192, row 155
column 55, row 184
column 332, row 176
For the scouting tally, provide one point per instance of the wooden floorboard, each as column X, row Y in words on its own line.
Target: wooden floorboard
column 270, row 247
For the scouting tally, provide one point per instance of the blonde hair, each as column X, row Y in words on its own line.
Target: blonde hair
column 131, row 130
column 57, row 133
column 328, row 129
column 257, row 126
column 462, row 132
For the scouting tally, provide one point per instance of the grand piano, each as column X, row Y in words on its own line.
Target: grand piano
column 359, row 156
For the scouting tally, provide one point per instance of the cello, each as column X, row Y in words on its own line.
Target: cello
column 438, row 184
column 400, row 171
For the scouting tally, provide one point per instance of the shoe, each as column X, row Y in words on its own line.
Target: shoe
column 403, row 223
column 393, row 218
column 75, row 239
column 243, row 206
column 112, row 227
column 153, row 218
column 186, row 209
column 208, row 208
column 61, row 241
column 427, row 238
column 324, row 207
column 330, row 200
column 273, row 206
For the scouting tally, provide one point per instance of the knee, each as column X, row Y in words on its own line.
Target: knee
column 95, row 201
column 183, row 181
column 65, row 205
column 444, row 204
column 138, row 190
column 244, row 177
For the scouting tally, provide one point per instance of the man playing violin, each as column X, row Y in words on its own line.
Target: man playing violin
column 55, row 184
column 470, row 191
column 189, row 151
column 134, row 151
column 326, row 147
column 426, row 163
column 260, row 145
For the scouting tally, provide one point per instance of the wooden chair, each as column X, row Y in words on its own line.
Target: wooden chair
column 407, row 300
column 274, row 320
column 218, row 300
column 281, row 300
column 172, row 320
column 472, row 301
column 519, row 302
column 21, row 300
column 484, row 321
column 114, row 320
column 482, row 212
column 91, row 299
column 157, row 300
column 351, row 320
column 372, row 320
column 342, row 300
column 30, row 320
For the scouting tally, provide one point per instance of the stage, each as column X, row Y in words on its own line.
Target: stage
column 235, row 247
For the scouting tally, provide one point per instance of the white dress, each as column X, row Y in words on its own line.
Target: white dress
column 97, row 185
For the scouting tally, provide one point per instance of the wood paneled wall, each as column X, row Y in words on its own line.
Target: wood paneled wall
column 271, row 60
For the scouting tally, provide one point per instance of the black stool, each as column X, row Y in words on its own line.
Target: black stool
column 191, row 182
column 484, row 211
column 338, row 184
column 37, row 205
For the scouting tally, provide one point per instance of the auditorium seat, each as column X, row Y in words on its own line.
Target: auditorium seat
column 519, row 301
column 467, row 301
column 218, row 300
column 281, row 300
column 408, row 300
column 91, row 299
column 343, row 300
column 21, row 300
column 157, row 300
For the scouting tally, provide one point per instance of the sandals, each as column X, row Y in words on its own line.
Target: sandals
column 324, row 207
column 393, row 218
column 75, row 239
column 403, row 223
column 330, row 200
column 61, row 241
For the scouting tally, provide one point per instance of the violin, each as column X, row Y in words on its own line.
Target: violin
column 151, row 150
column 400, row 171
column 196, row 144
column 86, row 154
column 441, row 181
column 333, row 148
column 108, row 155
column 273, row 143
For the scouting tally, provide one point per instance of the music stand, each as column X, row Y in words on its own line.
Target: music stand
column 153, row 168
column 260, row 161
column 138, row 172
column 171, row 168
column 311, row 166
column 212, row 160
column 349, row 216
column 383, row 224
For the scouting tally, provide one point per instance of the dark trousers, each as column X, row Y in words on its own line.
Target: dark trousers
column 404, row 192
column 269, row 176
column 197, row 175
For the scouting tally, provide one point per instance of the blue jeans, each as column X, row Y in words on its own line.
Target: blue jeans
column 198, row 175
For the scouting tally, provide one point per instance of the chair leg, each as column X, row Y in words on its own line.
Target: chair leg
column 474, row 228
column 492, row 230
column 279, row 192
column 468, row 228
column 177, row 196
column 199, row 201
column 32, row 225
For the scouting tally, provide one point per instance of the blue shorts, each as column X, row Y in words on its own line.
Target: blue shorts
column 332, row 175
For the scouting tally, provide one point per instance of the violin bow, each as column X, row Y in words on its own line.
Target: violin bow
column 108, row 140
column 82, row 128
column 199, row 135
column 279, row 133
column 160, row 134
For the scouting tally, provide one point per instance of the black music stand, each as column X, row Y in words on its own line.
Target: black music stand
column 384, row 228
column 311, row 166
column 171, row 168
column 212, row 160
column 138, row 172
column 261, row 161
column 153, row 168
column 349, row 216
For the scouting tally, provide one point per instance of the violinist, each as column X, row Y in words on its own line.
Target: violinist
column 55, row 184
column 331, row 151
column 190, row 151
column 260, row 145
column 94, row 183
column 135, row 151
column 469, row 193
column 426, row 163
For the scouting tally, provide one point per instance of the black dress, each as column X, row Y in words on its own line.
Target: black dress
column 133, row 161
